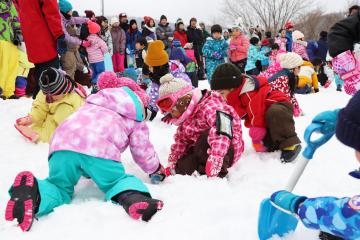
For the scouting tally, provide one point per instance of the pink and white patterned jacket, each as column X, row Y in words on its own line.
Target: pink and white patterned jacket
column 105, row 127
column 281, row 84
column 203, row 118
column 97, row 49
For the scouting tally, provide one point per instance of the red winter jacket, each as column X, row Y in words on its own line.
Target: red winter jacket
column 252, row 99
column 182, row 37
column 41, row 25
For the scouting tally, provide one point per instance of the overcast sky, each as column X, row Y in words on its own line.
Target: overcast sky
column 204, row 10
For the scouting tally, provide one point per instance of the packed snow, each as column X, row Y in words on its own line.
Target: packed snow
column 195, row 207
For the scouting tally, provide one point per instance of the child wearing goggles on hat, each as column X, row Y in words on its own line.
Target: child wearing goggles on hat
column 58, row 99
column 91, row 143
column 209, row 137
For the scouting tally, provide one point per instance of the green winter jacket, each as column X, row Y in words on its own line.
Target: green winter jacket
column 9, row 21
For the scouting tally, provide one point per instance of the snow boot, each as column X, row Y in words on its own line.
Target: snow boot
column 13, row 97
column 328, row 236
column 139, row 205
column 24, row 201
column 290, row 154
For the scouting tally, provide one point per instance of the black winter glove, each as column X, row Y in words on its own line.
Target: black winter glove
column 61, row 45
column 158, row 176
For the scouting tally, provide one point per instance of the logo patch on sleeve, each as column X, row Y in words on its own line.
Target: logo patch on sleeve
column 354, row 202
column 224, row 124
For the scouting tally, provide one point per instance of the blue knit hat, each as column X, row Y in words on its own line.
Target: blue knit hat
column 65, row 6
column 176, row 43
column 348, row 123
column 131, row 73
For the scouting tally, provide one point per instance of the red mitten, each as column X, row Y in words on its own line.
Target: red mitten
column 213, row 166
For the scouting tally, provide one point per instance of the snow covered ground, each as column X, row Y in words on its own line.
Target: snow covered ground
column 195, row 207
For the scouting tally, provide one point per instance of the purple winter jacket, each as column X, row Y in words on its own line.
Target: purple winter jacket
column 105, row 127
column 72, row 21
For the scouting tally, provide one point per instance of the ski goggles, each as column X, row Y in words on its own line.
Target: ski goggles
column 167, row 103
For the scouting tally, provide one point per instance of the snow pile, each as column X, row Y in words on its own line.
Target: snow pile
column 195, row 207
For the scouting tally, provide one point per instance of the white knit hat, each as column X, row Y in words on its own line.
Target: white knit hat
column 290, row 60
column 296, row 35
column 114, row 20
column 170, row 85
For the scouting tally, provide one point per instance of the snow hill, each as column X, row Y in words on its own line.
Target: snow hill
column 195, row 207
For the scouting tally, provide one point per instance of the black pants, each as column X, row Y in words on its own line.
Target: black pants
column 39, row 68
column 196, row 157
column 194, row 78
column 199, row 59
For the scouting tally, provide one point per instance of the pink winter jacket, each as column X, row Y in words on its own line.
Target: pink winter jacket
column 203, row 118
column 97, row 49
column 105, row 127
column 238, row 48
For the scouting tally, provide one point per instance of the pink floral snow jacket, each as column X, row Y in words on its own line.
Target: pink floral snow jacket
column 105, row 126
column 204, row 118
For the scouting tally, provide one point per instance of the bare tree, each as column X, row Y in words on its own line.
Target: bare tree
column 269, row 14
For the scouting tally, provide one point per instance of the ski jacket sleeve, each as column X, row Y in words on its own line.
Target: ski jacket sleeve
column 343, row 35
column 51, row 13
column 142, row 150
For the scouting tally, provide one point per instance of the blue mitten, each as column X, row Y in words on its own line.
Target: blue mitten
column 328, row 119
column 217, row 55
column 287, row 201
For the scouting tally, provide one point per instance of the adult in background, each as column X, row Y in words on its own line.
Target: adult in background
column 195, row 36
column 164, row 32
column 132, row 35
column 206, row 34
column 353, row 10
column 124, row 23
column 90, row 15
column 10, row 35
column 45, row 39
column 180, row 33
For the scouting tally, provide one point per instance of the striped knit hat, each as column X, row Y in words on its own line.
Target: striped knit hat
column 55, row 82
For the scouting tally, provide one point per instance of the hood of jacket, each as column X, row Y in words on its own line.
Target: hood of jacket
column 120, row 100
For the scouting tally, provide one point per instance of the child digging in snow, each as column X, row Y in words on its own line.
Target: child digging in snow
column 209, row 137
column 57, row 100
column 268, row 113
column 95, row 150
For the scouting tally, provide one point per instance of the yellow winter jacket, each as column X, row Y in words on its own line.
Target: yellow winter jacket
column 47, row 117
column 24, row 64
column 308, row 76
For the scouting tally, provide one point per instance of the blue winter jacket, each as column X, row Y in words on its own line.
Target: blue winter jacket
column 338, row 216
column 289, row 41
column 215, row 52
column 131, row 39
column 254, row 54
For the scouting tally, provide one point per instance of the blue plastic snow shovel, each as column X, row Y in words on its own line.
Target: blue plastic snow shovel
column 273, row 221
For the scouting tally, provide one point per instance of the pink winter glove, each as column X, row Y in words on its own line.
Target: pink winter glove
column 24, row 121
column 347, row 67
column 257, row 134
column 85, row 44
column 213, row 166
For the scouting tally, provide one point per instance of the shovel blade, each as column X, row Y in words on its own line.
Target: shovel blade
column 272, row 221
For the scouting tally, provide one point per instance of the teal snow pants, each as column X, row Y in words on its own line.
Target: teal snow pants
column 65, row 169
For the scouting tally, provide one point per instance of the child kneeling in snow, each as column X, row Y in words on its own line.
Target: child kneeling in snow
column 58, row 99
column 90, row 142
column 209, row 137
column 336, row 216
column 268, row 113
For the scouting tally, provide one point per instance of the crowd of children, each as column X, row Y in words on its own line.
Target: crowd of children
column 135, row 74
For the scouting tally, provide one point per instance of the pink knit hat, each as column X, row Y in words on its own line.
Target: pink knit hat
column 94, row 28
column 109, row 80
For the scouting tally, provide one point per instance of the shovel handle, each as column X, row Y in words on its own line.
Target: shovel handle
column 308, row 153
